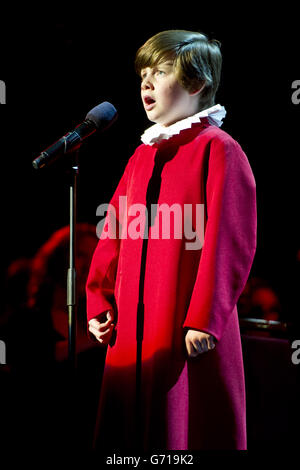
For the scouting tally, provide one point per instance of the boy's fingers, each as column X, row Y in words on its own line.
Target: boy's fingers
column 110, row 328
column 93, row 328
column 104, row 326
column 94, row 323
column 101, row 336
column 193, row 352
column 94, row 331
column 188, row 347
column 109, row 315
column 198, row 346
column 191, row 349
column 100, row 332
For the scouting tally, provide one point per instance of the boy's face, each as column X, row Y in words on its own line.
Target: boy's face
column 164, row 99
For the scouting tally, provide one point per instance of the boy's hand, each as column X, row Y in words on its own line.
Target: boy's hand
column 198, row 342
column 102, row 330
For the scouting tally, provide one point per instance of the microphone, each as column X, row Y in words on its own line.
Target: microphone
column 100, row 118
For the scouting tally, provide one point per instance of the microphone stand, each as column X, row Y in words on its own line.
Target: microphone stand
column 71, row 302
column 71, row 277
column 72, row 385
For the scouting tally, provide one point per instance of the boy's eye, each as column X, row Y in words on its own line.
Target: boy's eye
column 157, row 73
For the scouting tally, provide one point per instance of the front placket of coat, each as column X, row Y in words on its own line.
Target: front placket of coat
column 159, row 155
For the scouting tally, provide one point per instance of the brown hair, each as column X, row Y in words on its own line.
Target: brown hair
column 197, row 60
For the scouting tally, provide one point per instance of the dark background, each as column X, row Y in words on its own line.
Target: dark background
column 58, row 63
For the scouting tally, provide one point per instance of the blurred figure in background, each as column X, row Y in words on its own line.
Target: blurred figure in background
column 47, row 291
column 34, row 326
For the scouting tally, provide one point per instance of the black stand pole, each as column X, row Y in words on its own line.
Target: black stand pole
column 71, row 279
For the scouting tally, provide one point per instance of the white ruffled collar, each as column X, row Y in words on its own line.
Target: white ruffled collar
column 156, row 133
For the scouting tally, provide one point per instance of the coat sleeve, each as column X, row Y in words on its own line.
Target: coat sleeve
column 102, row 273
column 229, row 239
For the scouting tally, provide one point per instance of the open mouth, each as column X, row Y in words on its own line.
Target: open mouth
column 149, row 102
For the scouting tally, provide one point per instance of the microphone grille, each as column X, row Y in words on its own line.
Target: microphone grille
column 103, row 115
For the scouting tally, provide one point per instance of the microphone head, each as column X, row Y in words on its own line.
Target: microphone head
column 103, row 115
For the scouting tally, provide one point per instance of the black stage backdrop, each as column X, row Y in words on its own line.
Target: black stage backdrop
column 57, row 65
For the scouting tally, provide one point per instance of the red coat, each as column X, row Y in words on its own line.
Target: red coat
column 187, row 403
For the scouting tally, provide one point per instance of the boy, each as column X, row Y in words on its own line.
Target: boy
column 174, row 376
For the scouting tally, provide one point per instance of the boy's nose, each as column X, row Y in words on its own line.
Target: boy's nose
column 147, row 84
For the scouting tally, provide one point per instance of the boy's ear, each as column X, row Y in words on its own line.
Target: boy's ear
column 198, row 90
